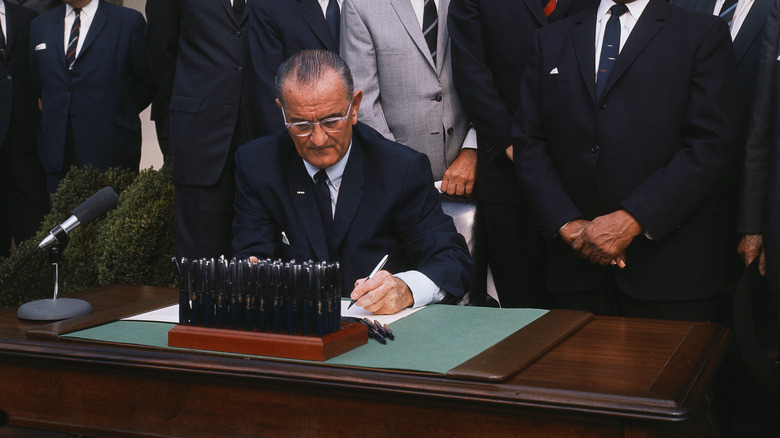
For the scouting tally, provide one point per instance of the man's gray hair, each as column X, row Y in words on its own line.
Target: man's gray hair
column 310, row 66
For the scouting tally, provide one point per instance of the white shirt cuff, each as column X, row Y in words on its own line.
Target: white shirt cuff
column 423, row 289
column 470, row 142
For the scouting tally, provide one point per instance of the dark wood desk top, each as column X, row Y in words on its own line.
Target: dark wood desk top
column 620, row 368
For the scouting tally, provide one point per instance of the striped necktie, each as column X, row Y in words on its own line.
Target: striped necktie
column 430, row 26
column 610, row 48
column 727, row 11
column 73, row 41
column 549, row 7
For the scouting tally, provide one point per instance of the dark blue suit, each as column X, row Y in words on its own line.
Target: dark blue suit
column 22, row 181
column 658, row 144
column 491, row 43
column 279, row 29
column 199, row 56
column 386, row 205
column 101, row 97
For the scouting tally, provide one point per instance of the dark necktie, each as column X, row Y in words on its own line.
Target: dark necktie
column 430, row 26
column 333, row 17
column 549, row 7
column 610, row 48
column 727, row 11
column 73, row 40
column 322, row 196
column 238, row 8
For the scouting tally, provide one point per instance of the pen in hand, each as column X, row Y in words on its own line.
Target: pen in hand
column 376, row 269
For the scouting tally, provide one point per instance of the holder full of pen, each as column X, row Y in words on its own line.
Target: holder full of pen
column 265, row 307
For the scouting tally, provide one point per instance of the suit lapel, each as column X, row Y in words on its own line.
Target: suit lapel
column 443, row 37
column 584, row 34
column 10, row 31
column 535, row 6
column 403, row 8
column 302, row 193
column 350, row 193
column 648, row 25
column 312, row 13
column 101, row 17
column 751, row 27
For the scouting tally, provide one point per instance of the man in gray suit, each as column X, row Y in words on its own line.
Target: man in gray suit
column 399, row 54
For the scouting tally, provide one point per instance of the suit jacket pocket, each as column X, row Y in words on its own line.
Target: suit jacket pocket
column 290, row 252
column 184, row 104
column 132, row 123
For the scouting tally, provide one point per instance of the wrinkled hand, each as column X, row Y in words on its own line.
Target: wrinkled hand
column 605, row 239
column 572, row 230
column 383, row 294
column 459, row 177
column 750, row 247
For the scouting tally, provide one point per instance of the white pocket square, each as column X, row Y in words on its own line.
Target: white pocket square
column 554, row 71
column 41, row 46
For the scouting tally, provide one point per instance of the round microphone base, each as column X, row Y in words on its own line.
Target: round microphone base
column 53, row 310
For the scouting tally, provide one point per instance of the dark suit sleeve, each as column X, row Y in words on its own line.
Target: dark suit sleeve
column 473, row 78
column 427, row 235
column 755, row 175
column 162, row 43
column 672, row 193
column 266, row 52
column 143, row 82
column 255, row 233
column 540, row 181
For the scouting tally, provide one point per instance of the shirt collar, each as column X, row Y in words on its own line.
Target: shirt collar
column 635, row 8
column 90, row 9
column 335, row 172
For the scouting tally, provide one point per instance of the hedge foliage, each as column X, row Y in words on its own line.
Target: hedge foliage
column 131, row 244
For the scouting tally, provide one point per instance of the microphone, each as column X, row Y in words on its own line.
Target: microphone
column 86, row 212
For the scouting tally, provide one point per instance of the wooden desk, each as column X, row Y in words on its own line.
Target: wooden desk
column 614, row 377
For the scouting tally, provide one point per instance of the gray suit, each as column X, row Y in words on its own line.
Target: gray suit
column 407, row 97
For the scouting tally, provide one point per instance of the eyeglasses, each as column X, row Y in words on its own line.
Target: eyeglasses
column 331, row 124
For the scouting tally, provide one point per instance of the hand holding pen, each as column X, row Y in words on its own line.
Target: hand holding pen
column 383, row 293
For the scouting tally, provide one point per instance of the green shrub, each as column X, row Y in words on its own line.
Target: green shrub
column 131, row 244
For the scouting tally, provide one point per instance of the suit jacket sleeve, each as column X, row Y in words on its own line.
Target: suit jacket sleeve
column 357, row 48
column 266, row 53
column 162, row 42
column 143, row 88
column 674, row 192
column 755, row 175
column 427, row 235
column 473, row 78
column 541, row 184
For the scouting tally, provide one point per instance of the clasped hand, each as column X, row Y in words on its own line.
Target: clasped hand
column 604, row 239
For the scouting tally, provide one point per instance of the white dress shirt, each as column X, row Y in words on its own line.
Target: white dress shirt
column 87, row 14
column 424, row 290
column 2, row 21
column 627, row 23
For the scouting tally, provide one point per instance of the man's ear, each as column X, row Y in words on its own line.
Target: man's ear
column 278, row 103
column 357, row 96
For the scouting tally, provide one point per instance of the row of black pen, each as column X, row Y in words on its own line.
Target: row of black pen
column 266, row 295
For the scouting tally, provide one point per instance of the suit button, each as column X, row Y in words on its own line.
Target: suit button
column 437, row 98
column 603, row 106
column 9, row 77
column 238, row 33
column 450, row 131
column 594, row 149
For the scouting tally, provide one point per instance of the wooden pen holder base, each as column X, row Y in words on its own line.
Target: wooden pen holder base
column 351, row 335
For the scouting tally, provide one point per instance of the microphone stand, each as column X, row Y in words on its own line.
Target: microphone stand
column 56, row 308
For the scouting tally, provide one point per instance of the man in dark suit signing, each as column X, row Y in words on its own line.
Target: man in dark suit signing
column 22, row 181
column 491, row 42
column 279, row 29
column 89, row 65
column 338, row 191
column 625, row 134
column 198, row 54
